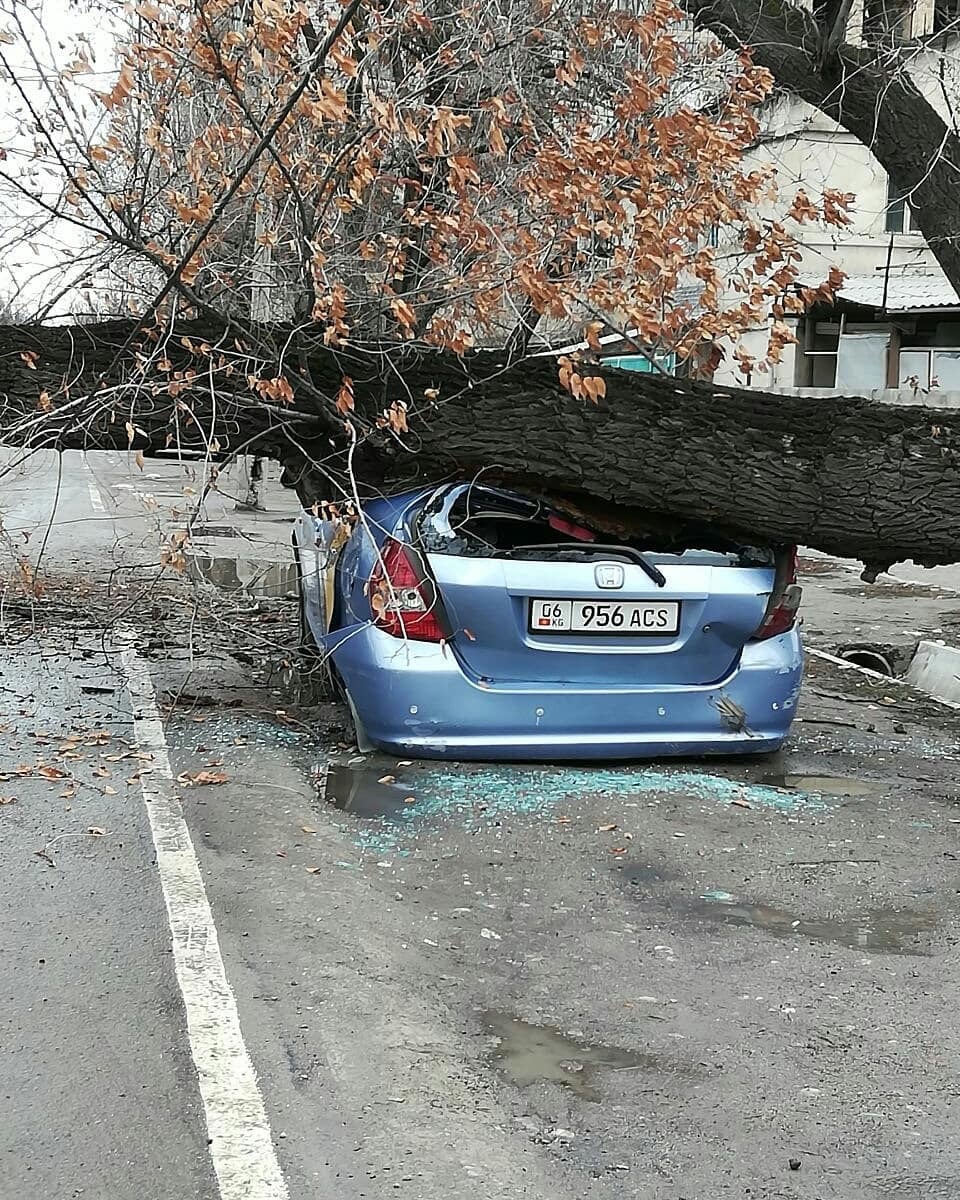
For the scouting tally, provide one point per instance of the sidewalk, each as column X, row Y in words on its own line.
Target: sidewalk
column 839, row 608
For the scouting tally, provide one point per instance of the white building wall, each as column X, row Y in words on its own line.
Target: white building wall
column 807, row 150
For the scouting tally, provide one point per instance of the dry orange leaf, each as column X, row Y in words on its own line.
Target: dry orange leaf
column 191, row 778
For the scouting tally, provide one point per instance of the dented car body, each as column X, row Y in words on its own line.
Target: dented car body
column 475, row 622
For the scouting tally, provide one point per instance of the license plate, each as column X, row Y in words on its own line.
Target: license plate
column 645, row 617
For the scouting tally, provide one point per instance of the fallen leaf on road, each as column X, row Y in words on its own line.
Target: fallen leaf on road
column 281, row 854
column 388, row 779
column 741, row 803
column 95, row 831
column 187, row 778
column 618, row 849
column 68, row 793
column 8, row 799
column 51, row 773
column 607, row 828
column 410, row 800
column 109, row 791
column 101, row 772
column 490, row 935
column 313, row 870
column 308, row 829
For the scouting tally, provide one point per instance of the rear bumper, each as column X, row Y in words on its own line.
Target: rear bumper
column 414, row 699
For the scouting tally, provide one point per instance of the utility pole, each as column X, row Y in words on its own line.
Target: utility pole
column 263, row 299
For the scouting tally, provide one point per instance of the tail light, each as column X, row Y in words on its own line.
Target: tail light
column 403, row 597
column 781, row 614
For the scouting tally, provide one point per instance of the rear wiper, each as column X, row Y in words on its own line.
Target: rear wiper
column 591, row 548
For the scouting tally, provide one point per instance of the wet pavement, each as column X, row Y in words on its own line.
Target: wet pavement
column 707, row 980
column 638, row 982
column 886, row 931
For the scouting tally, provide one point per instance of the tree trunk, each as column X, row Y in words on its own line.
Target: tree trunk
column 847, row 476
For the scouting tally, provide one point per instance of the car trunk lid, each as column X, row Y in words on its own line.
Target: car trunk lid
column 708, row 612
column 619, row 615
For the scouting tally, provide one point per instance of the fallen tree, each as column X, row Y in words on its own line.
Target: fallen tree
column 844, row 475
column 329, row 193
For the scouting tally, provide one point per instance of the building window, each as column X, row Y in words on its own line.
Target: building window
column 925, row 369
column 853, row 361
column 887, row 21
column 817, row 365
column 897, row 212
column 656, row 364
column 946, row 16
column 862, row 360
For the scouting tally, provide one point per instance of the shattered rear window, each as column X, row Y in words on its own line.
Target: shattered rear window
column 479, row 521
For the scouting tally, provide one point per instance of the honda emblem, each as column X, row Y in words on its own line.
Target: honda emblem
column 608, row 576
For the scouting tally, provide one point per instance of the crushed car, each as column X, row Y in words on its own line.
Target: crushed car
column 472, row 621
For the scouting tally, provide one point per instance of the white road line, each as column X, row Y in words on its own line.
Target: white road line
column 96, row 500
column 241, row 1145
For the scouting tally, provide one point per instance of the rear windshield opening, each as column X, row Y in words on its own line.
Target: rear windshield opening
column 486, row 522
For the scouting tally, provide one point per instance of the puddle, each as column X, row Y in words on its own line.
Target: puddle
column 823, row 785
column 359, row 790
column 538, row 1054
column 247, row 575
column 884, row 930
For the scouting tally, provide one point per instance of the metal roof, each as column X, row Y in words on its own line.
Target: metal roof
column 911, row 292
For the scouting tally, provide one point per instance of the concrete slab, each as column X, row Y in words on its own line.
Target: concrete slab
column 935, row 669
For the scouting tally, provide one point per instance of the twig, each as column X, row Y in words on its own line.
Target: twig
column 828, row 721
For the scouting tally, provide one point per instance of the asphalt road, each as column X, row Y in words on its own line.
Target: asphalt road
column 693, row 980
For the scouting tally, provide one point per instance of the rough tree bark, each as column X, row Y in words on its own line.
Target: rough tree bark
column 847, row 476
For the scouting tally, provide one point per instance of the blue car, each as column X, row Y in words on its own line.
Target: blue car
column 476, row 622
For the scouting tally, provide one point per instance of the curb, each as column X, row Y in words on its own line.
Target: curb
column 942, row 664
column 935, row 669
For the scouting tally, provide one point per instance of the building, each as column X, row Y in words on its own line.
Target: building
column 896, row 326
